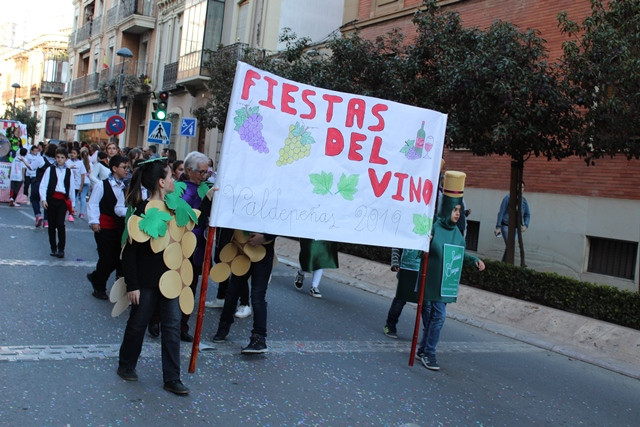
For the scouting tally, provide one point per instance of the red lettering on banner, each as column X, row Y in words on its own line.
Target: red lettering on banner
column 312, row 108
column 354, row 146
column 379, row 187
column 401, row 177
column 335, row 142
column 249, row 80
column 419, row 190
column 331, row 99
column 375, row 152
column 269, row 101
column 355, row 109
column 376, row 110
column 287, row 99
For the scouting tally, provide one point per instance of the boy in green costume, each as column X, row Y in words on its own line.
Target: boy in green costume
column 444, row 268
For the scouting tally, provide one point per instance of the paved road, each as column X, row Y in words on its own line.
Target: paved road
column 329, row 363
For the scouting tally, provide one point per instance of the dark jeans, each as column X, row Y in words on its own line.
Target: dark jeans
column 27, row 184
column 259, row 272
column 108, row 242
column 14, row 189
column 433, row 317
column 137, row 324
column 394, row 313
column 505, row 235
column 57, row 210
column 223, row 236
column 34, row 197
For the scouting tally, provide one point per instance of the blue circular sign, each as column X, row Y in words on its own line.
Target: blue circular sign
column 116, row 125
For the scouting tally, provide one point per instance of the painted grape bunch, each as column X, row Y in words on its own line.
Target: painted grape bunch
column 297, row 145
column 249, row 126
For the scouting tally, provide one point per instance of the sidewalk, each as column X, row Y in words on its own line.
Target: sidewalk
column 600, row 343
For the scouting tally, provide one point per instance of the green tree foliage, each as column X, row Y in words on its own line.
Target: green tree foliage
column 602, row 62
column 501, row 94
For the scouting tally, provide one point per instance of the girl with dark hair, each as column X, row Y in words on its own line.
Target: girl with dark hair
column 178, row 169
column 144, row 269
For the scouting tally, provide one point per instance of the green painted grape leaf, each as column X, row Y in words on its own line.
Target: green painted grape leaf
column 407, row 146
column 348, row 186
column 298, row 129
column 184, row 213
column 125, row 234
column 322, row 182
column 179, row 188
column 253, row 110
column 307, row 139
column 422, row 224
column 171, row 200
column 154, row 222
column 204, row 188
column 240, row 118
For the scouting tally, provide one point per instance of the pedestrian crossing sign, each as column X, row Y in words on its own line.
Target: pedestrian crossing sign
column 159, row 132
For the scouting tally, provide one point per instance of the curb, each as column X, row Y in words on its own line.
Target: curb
column 599, row 343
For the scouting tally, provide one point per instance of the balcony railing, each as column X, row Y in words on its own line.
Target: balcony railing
column 85, row 84
column 112, row 15
column 170, row 76
column 84, row 32
column 235, row 51
column 97, row 26
column 134, row 68
column 56, row 88
column 135, row 7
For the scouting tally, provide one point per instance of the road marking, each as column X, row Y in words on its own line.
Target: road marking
column 45, row 353
column 31, row 227
column 46, row 263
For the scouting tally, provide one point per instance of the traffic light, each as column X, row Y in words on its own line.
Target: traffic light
column 160, row 106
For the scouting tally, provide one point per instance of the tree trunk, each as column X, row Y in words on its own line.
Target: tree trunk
column 515, row 214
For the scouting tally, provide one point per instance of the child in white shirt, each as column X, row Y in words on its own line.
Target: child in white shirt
column 18, row 167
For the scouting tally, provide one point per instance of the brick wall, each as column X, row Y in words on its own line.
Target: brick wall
column 610, row 178
column 539, row 14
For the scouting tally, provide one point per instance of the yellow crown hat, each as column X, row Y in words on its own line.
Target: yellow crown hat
column 454, row 183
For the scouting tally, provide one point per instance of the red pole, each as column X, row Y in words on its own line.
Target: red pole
column 416, row 329
column 203, row 297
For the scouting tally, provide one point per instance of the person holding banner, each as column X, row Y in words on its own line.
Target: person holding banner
column 405, row 262
column 444, row 267
column 259, row 273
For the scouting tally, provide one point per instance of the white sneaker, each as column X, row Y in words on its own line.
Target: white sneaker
column 216, row 303
column 243, row 311
column 315, row 292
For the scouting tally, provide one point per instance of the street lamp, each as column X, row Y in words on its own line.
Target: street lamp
column 15, row 87
column 124, row 53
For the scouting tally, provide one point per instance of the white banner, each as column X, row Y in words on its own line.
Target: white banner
column 302, row 161
column 5, row 174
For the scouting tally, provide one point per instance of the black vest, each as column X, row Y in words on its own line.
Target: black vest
column 53, row 181
column 108, row 203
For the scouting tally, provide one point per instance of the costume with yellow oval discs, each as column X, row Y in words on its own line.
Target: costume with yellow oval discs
column 166, row 228
column 236, row 257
